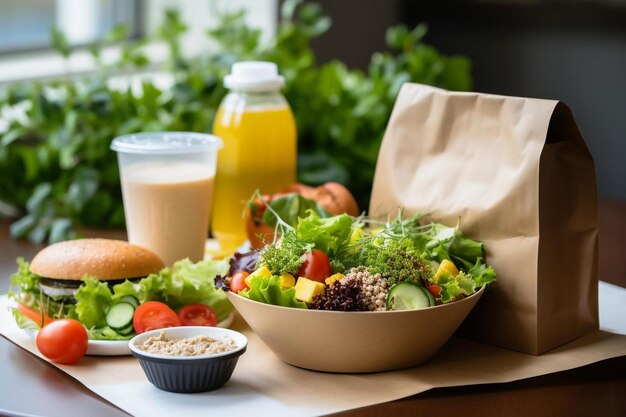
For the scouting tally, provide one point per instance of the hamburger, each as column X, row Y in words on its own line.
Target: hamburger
column 102, row 282
column 49, row 284
column 61, row 266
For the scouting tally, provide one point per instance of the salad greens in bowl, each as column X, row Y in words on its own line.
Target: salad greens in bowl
column 346, row 263
column 351, row 294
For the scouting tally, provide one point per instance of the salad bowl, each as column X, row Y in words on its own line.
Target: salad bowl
column 354, row 342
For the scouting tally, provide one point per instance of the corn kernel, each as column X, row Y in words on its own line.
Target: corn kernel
column 331, row 279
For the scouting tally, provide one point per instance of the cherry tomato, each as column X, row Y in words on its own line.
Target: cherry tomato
column 197, row 315
column 36, row 316
column 238, row 283
column 63, row 341
column 435, row 290
column 316, row 266
column 154, row 315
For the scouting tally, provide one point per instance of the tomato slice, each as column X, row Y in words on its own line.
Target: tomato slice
column 154, row 315
column 316, row 266
column 435, row 290
column 63, row 341
column 36, row 316
column 238, row 282
column 197, row 315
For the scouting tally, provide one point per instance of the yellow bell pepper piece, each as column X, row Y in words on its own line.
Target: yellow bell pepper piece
column 446, row 266
column 262, row 271
column 287, row 281
column 307, row 289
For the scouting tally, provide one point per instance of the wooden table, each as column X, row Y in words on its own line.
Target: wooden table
column 31, row 386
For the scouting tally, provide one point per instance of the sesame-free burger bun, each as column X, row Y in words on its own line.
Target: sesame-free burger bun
column 104, row 259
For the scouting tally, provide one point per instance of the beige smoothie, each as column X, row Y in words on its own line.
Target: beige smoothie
column 167, row 207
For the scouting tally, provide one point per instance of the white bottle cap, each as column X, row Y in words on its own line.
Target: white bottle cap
column 254, row 76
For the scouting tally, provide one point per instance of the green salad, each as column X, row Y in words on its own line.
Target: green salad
column 347, row 263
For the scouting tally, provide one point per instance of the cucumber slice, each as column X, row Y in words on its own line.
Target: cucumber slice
column 130, row 300
column 126, row 330
column 432, row 300
column 120, row 315
column 408, row 296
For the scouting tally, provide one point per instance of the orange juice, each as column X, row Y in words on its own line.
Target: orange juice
column 259, row 153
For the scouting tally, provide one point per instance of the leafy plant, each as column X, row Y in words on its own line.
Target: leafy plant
column 56, row 169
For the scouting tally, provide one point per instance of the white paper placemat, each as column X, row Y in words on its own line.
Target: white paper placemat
column 262, row 385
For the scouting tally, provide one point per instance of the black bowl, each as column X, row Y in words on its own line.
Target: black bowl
column 189, row 374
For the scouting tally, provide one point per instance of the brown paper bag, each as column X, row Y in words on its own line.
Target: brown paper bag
column 518, row 173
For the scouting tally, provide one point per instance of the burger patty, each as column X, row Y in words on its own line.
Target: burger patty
column 65, row 288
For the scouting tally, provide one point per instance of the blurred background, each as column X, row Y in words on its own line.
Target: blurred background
column 569, row 50
column 76, row 73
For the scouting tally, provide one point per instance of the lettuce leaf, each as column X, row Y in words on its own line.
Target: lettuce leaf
column 482, row 273
column 327, row 234
column 24, row 284
column 450, row 288
column 93, row 299
column 290, row 208
column 464, row 283
column 267, row 290
column 449, row 243
column 184, row 283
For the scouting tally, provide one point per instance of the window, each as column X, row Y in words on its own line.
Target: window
column 25, row 45
column 25, row 24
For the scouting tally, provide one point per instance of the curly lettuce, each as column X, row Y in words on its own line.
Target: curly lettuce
column 184, row 283
column 327, row 234
column 24, row 285
column 93, row 299
column 267, row 290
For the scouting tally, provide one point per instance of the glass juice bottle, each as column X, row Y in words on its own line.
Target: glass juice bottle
column 259, row 133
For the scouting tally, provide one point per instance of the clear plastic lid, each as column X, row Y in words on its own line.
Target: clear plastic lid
column 254, row 76
column 152, row 143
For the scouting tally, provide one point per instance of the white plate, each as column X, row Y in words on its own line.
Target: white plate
column 120, row 347
column 108, row 348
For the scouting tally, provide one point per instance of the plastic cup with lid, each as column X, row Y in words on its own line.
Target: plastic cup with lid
column 167, row 187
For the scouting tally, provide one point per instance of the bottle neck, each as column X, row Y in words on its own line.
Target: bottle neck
column 269, row 98
column 264, row 93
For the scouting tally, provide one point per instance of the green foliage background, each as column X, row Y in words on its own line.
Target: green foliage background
column 57, row 172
